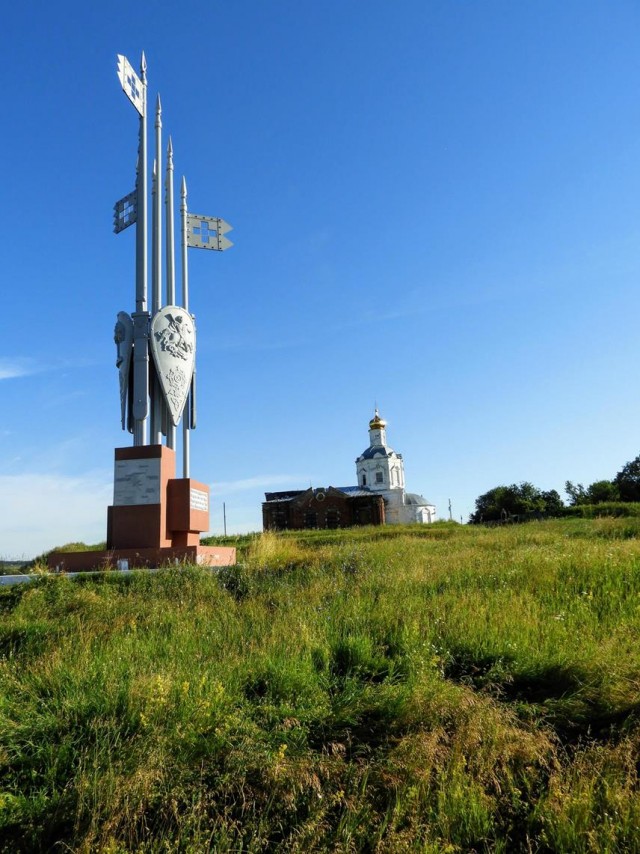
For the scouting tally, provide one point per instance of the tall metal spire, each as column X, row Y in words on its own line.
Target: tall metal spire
column 190, row 404
column 141, row 316
column 141, row 227
column 157, row 216
column 183, row 232
column 171, row 260
column 156, row 272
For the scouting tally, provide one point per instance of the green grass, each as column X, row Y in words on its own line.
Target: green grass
column 438, row 689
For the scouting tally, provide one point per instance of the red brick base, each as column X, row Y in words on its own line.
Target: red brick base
column 142, row 558
column 152, row 535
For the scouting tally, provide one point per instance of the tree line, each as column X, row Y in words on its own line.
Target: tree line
column 525, row 501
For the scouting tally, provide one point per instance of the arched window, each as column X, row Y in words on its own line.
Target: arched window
column 364, row 479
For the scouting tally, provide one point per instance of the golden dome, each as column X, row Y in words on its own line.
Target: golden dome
column 376, row 422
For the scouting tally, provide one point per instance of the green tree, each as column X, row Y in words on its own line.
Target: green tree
column 628, row 481
column 553, row 503
column 576, row 492
column 521, row 500
column 603, row 490
column 597, row 493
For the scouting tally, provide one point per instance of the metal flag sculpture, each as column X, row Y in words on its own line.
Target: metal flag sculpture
column 164, row 384
column 207, row 232
column 125, row 212
column 131, row 84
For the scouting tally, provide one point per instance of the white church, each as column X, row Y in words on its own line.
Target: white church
column 379, row 497
column 381, row 470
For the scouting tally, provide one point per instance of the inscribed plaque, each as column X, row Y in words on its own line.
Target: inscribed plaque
column 136, row 482
column 199, row 500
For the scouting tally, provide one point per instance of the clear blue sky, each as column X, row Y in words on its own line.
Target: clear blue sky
column 435, row 207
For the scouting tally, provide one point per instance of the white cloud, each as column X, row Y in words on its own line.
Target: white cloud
column 40, row 511
column 11, row 368
column 259, row 482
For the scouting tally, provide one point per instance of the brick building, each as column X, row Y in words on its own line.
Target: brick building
column 322, row 508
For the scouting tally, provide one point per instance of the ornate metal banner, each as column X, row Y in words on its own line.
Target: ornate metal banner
column 131, row 84
column 207, row 232
column 173, row 346
column 125, row 212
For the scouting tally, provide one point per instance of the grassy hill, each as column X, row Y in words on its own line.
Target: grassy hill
column 440, row 689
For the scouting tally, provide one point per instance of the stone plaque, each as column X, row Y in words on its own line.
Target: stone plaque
column 199, row 500
column 137, row 482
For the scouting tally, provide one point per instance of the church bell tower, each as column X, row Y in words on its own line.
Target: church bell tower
column 379, row 468
column 377, row 431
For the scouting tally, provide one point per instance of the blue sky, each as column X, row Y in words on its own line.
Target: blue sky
column 435, row 207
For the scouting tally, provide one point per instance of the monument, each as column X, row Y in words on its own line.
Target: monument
column 156, row 518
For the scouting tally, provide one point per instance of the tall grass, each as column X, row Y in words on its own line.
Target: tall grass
column 436, row 688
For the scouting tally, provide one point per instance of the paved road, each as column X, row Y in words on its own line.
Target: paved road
column 8, row 580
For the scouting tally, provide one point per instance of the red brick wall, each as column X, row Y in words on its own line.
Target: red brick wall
column 323, row 508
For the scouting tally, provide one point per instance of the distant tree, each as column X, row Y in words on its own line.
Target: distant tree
column 576, row 492
column 597, row 493
column 553, row 503
column 521, row 500
column 628, row 481
column 603, row 490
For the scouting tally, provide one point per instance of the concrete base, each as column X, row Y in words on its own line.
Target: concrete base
column 108, row 559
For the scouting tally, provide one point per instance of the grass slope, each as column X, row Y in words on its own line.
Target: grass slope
column 433, row 689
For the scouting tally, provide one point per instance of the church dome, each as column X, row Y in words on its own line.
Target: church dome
column 416, row 500
column 376, row 422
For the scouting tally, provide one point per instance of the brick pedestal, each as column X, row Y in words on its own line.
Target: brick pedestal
column 155, row 518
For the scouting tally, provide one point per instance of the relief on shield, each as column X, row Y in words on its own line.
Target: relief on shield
column 123, row 337
column 173, row 345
